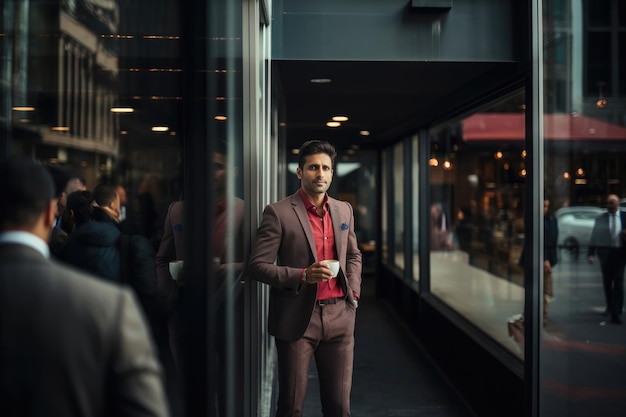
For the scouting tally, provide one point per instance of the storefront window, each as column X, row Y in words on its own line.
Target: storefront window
column 398, row 204
column 415, row 207
column 477, row 173
column 585, row 148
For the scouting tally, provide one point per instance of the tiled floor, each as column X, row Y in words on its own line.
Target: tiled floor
column 392, row 377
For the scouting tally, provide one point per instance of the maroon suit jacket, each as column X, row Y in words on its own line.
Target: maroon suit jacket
column 284, row 246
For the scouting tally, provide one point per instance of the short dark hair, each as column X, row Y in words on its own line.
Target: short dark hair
column 28, row 189
column 79, row 202
column 104, row 194
column 313, row 147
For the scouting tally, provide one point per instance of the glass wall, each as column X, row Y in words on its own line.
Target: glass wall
column 584, row 343
column 415, row 206
column 477, row 173
column 398, row 205
column 122, row 93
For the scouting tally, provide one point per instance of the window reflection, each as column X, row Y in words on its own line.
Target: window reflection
column 476, row 216
column 585, row 146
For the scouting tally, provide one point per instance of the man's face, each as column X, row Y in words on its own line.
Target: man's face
column 612, row 203
column 316, row 174
column 121, row 192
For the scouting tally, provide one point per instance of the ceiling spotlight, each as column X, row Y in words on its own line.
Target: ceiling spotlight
column 321, row 80
column 220, row 118
column 498, row 155
column 60, row 128
column 23, row 108
column 122, row 110
column 160, row 128
column 340, row 118
column 333, row 124
column 364, row 133
column 433, row 162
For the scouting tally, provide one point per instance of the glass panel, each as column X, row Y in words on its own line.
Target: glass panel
column 583, row 353
column 599, row 12
column 384, row 210
column 415, row 207
column 477, row 173
column 599, row 63
column 398, row 204
column 94, row 90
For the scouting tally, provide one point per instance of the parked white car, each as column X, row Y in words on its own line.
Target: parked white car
column 575, row 226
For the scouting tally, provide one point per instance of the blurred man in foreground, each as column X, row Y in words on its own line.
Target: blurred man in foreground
column 70, row 345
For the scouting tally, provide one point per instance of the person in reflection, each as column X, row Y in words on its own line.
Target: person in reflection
column 440, row 228
column 550, row 245
column 607, row 242
column 70, row 344
column 173, row 247
column 550, row 259
column 310, row 311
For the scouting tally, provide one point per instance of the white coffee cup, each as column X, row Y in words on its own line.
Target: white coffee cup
column 333, row 264
column 175, row 268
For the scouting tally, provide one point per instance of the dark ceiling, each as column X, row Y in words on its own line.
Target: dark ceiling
column 388, row 99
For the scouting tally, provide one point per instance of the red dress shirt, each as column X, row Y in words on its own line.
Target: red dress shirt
column 324, row 245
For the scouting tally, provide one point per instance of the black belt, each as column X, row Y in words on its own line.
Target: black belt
column 329, row 301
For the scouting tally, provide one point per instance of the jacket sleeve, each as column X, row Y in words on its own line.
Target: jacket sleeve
column 136, row 379
column 167, row 289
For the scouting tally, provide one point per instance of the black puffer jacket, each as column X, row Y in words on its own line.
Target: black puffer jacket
column 93, row 247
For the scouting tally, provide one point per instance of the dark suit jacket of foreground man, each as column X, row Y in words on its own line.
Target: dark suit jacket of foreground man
column 70, row 344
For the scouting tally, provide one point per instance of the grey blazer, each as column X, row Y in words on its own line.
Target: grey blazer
column 71, row 344
column 284, row 246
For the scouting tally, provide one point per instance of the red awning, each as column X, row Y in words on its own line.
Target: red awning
column 510, row 126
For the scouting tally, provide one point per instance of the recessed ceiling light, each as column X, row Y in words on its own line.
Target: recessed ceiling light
column 333, row 124
column 321, row 80
column 122, row 110
column 60, row 128
column 340, row 118
column 160, row 128
column 220, row 117
column 364, row 133
column 23, row 108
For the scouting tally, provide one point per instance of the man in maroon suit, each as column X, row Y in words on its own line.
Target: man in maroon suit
column 311, row 312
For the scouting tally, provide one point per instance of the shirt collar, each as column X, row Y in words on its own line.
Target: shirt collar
column 309, row 204
column 26, row 239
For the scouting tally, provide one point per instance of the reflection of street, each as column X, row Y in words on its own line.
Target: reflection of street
column 584, row 361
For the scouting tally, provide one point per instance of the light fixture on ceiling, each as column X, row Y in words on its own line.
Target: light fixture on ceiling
column 23, row 108
column 566, row 176
column 60, row 128
column 340, row 118
column 160, row 128
column 220, row 117
column 321, row 80
column 333, row 124
column 433, row 161
column 364, row 133
column 498, row 155
column 122, row 110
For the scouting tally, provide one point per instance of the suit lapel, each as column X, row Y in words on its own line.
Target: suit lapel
column 303, row 217
column 335, row 214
